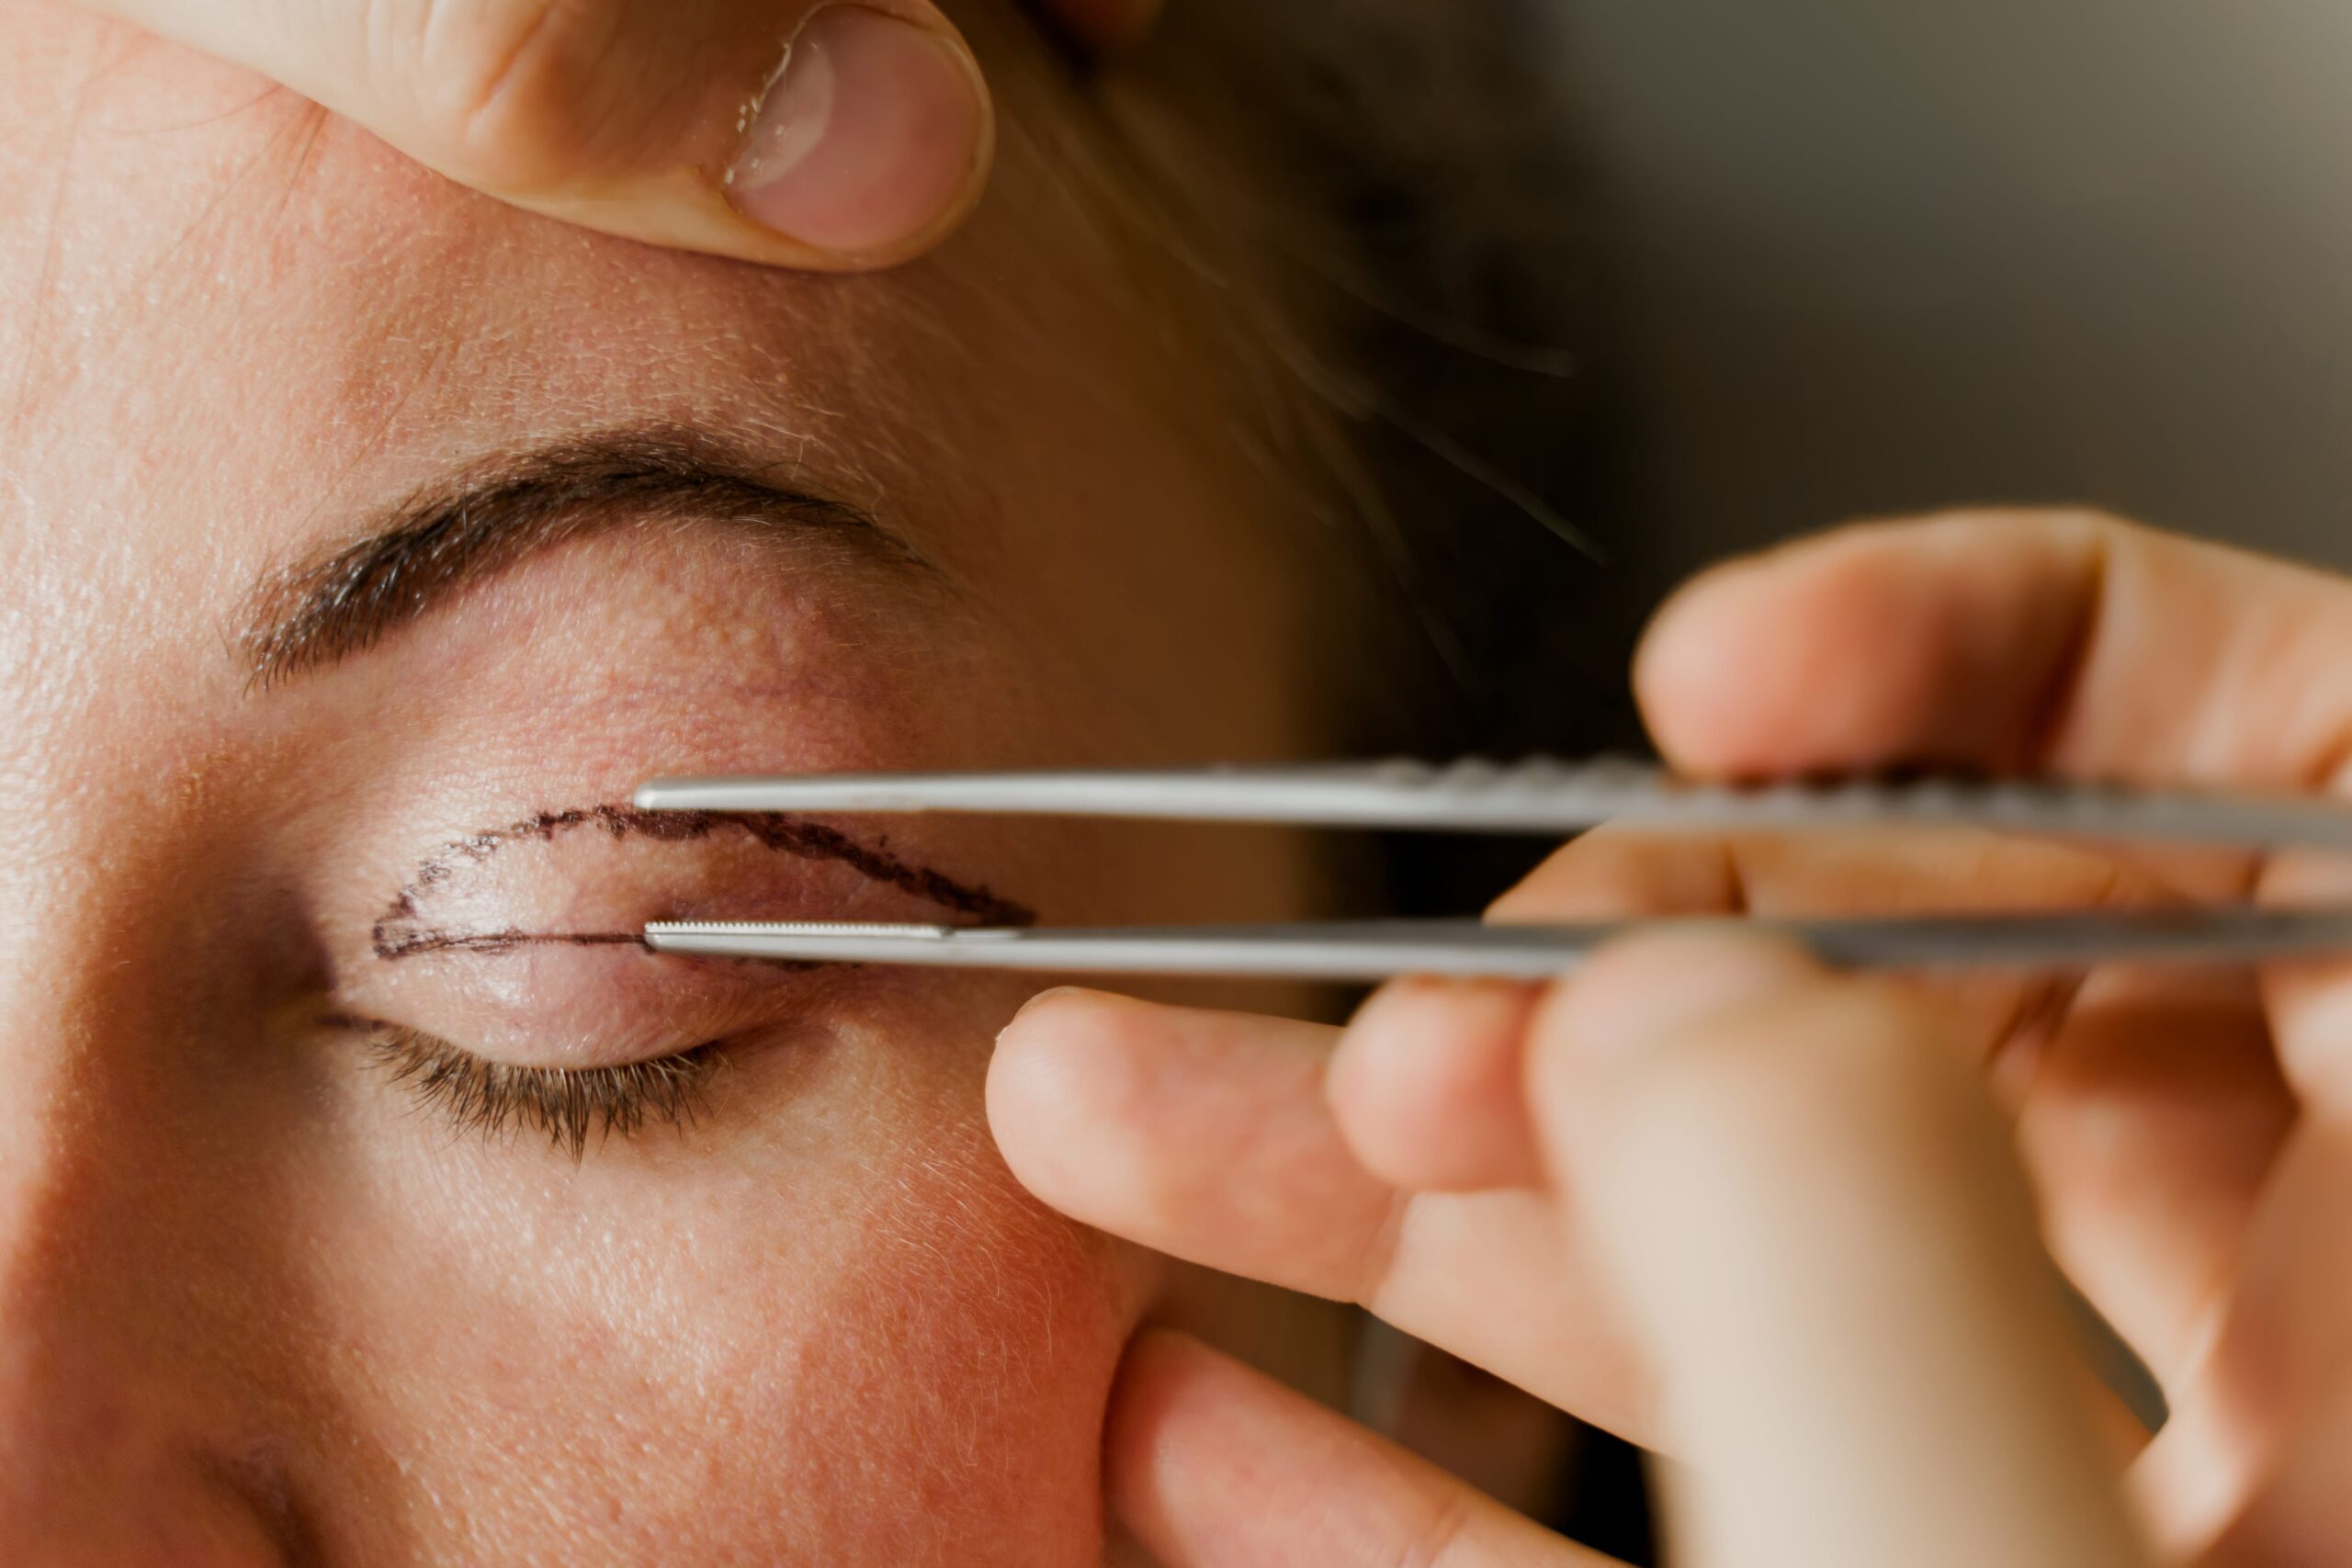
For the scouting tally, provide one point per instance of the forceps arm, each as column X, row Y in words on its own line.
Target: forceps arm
column 1374, row 950
column 1548, row 797
column 1542, row 795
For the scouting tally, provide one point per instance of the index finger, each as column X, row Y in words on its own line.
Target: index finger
column 2067, row 643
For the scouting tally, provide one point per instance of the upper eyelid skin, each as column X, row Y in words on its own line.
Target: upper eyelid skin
column 472, row 952
column 403, row 929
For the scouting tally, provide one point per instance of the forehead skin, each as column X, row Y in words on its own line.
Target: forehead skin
column 230, row 325
column 232, row 330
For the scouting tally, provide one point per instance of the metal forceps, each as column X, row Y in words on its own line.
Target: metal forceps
column 1553, row 797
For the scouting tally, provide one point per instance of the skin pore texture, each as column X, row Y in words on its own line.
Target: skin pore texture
column 265, row 1294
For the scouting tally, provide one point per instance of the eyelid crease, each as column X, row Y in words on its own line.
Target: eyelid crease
column 494, row 944
column 401, row 930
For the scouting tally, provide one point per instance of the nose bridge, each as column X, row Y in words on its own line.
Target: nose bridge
column 108, row 795
column 73, row 1175
column 103, row 953
column 54, row 1002
column 75, row 1002
column 128, row 1431
column 114, row 1418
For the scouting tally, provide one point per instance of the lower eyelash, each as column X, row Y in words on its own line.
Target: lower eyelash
column 569, row 1104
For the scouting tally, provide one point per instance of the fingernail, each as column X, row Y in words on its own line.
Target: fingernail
column 1639, row 993
column 871, row 133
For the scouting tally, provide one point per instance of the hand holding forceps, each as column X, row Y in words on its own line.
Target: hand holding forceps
column 1547, row 797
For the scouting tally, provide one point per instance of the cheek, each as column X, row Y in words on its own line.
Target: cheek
column 881, row 1351
column 950, row 1406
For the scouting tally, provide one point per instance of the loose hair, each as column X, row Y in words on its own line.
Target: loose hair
column 1392, row 178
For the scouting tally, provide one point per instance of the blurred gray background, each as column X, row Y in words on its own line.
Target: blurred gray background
column 1857, row 256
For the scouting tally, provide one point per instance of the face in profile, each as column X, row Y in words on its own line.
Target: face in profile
column 368, row 1192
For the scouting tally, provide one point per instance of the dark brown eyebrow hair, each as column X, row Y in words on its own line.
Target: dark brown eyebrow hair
column 492, row 513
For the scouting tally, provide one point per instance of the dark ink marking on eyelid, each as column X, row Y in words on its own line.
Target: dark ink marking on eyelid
column 400, row 932
column 496, row 943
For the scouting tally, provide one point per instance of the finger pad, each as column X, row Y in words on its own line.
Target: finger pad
column 1933, row 642
column 1203, row 1135
column 1426, row 1087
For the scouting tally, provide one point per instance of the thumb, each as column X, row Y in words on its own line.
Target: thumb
column 1213, row 1465
column 1812, row 1219
column 832, row 134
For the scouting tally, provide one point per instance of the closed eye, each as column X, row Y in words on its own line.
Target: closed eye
column 525, row 941
column 569, row 1105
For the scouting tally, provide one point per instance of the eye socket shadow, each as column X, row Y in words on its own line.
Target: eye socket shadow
column 404, row 931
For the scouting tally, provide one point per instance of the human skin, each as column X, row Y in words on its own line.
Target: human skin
column 261, row 1301
column 1795, row 1227
column 827, row 134
column 253, row 1303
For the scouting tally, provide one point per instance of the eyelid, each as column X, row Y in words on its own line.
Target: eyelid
column 570, row 1105
column 524, row 940
column 578, row 1007
column 799, row 850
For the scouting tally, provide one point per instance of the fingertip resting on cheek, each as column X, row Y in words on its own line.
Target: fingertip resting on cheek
column 1072, row 1066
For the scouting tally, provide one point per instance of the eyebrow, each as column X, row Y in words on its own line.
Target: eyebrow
column 492, row 515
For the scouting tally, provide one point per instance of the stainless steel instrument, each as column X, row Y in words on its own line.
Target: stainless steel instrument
column 1551, row 797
